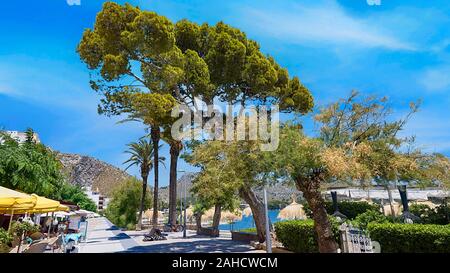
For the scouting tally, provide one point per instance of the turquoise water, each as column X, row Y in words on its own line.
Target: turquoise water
column 247, row 222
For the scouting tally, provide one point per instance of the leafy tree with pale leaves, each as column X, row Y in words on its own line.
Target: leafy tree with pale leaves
column 358, row 143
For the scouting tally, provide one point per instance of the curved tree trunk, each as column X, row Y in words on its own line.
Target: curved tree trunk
column 322, row 225
column 155, row 135
column 175, row 147
column 141, row 209
column 216, row 218
column 257, row 207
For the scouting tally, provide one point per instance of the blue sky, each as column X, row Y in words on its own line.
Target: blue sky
column 400, row 49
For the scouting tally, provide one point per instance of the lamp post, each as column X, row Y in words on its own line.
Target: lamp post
column 183, row 205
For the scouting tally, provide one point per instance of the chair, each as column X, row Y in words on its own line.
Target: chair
column 38, row 247
column 56, row 243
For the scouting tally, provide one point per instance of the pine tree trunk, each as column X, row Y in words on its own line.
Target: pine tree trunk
column 257, row 207
column 175, row 148
column 141, row 209
column 155, row 135
column 216, row 217
column 322, row 225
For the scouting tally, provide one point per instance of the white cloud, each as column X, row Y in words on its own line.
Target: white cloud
column 327, row 22
column 436, row 79
column 73, row 2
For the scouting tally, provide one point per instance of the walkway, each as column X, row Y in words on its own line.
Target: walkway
column 105, row 237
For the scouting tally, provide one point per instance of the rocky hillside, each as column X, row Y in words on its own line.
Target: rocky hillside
column 87, row 171
column 185, row 178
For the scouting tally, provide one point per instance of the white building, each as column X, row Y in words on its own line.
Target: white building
column 100, row 200
column 21, row 137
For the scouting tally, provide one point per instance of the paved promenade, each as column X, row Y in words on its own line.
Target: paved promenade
column 104, row 237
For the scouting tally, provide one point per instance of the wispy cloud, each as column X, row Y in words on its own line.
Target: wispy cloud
column 436, row 79
column 322, row 23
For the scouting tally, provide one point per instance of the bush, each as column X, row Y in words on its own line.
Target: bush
column 437, row 216
column 5, row 241
column 371, row 216
column 125, row 203
column 351, row 209
column 299, row 235
column 75, row 194
column 411, row 238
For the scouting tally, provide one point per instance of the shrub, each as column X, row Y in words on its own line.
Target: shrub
column 371, row 216
column 125, row 202
column 351, row 209
column 299, row 235
column 411, row 238
column 438, row 216
column 5, row 241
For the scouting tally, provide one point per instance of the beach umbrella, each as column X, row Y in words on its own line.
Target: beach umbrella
column 208, row 215
column 230, row 217
column 149, row 214
column 293, row 211
column 387, row 209
column 12, row 201
column 189, row 212
column 247, row 212
column 225, row 216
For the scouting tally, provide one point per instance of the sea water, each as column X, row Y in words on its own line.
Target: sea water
column 248, row 222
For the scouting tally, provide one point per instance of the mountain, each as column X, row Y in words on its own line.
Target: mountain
column 184, row 179
column 87, row 171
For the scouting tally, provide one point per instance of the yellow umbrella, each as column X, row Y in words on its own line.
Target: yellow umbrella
column 293, row 211
column 12, row 201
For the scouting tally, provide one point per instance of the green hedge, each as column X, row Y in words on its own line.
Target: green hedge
column 351, row 209
column 299, row 235
column 411, row 238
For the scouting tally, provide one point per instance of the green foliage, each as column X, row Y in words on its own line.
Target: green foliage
column 351, row 209
column 248, row 230
column 136, row 51
column 76, row 195
column 33, row 168
column 370, row 216
column 411, row 238
column 125, row 203
column 438, row 216
column 22, row 228
column 5, row 240
column 30, row 167
column 299, row 235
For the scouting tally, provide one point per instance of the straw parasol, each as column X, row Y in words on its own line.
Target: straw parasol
column 230, row 217
column 225, row 216
column 149, row 214
column 189, row 212
column 293, row 211
column 387, row 209
column 247, row 212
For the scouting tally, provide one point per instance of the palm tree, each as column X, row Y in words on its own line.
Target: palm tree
column 142, row 155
